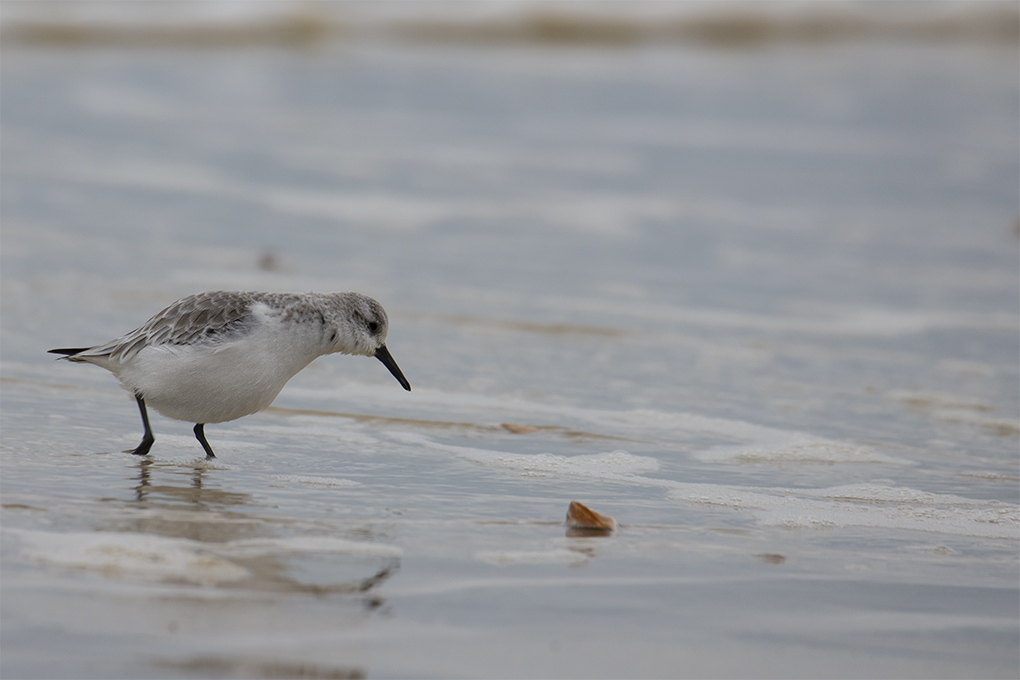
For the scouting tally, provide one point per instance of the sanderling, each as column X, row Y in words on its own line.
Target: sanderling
column 218, row 356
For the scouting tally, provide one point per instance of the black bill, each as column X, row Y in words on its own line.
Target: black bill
column 383, row 355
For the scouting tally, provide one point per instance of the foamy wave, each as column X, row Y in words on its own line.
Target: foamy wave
column 613, row 465
column 252, row 547
column 958, row 409
column 800, row 450
column 763, row 444
column 346, row 434
column 862, row 505
column 317, row 481
column 504, row 558
column 129, row 555
column 873, row 505
column 158, row 558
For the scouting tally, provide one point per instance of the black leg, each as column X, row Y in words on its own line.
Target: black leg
column 200, row 433
column 147, row 438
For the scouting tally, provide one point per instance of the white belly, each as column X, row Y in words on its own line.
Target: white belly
column 203, row 385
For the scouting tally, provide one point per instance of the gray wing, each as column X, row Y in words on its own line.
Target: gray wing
column 188, row 321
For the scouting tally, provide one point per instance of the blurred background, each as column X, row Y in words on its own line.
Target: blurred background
column 744, row 275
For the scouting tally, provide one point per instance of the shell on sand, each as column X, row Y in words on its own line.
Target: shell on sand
column 580, row 516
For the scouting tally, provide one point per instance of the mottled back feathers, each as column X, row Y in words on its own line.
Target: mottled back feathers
column 197, row 318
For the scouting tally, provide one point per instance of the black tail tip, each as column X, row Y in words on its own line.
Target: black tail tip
column 67, row 351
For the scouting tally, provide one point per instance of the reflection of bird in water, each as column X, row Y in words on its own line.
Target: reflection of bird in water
column 236, row 547
column 193, row 494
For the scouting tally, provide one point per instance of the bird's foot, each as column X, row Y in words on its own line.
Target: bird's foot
column 143, row 448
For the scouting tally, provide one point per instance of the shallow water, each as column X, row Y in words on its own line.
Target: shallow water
column 758, row 306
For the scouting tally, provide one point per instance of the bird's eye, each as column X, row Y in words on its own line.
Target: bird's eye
column 373, row 326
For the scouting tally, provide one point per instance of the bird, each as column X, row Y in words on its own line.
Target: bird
column 217, row 356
